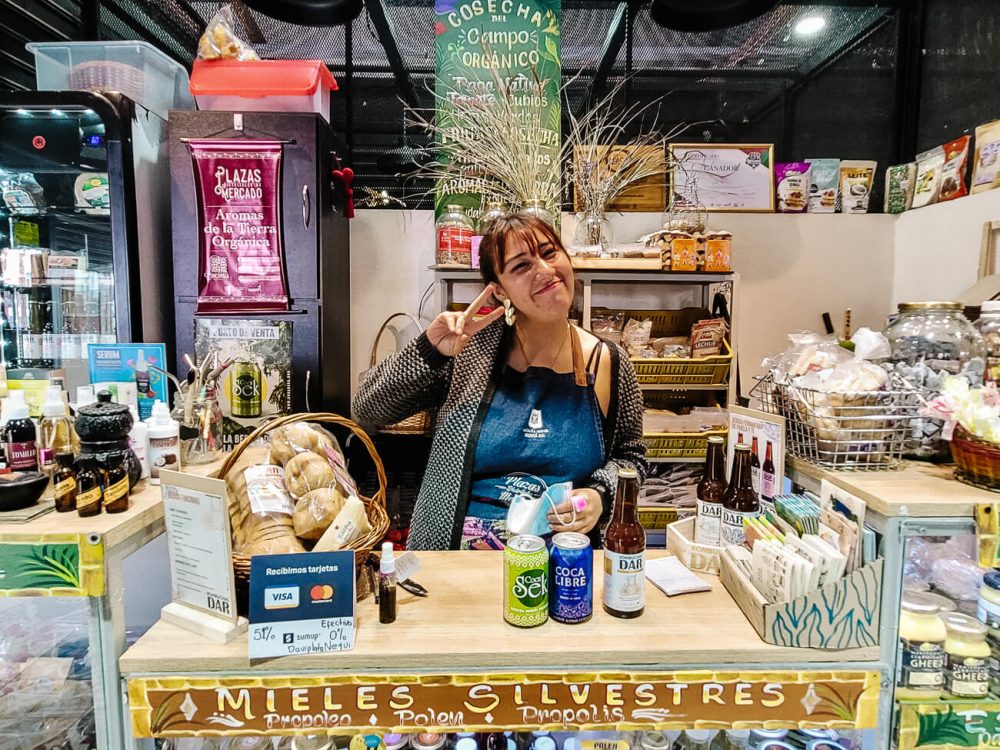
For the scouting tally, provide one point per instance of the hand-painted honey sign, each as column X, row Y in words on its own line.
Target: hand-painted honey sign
column 53, row 565
column 949, row 726
column 269, row 704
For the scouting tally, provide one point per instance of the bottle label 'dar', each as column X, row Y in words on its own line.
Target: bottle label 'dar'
column 624, row 581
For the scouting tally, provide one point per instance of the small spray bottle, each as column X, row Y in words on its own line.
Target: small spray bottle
column 387, row 585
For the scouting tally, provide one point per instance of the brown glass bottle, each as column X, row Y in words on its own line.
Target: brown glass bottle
column 755, row 466
column 116, row 488
column 625, row 552
column 740, row 501
column 768, row 481
column 89, row 490
column 64, row 483
column 711, row 488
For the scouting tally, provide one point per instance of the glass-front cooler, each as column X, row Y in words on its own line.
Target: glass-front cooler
column 69, row 256
column 947, row 670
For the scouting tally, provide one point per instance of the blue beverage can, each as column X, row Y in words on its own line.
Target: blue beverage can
column 571, row 584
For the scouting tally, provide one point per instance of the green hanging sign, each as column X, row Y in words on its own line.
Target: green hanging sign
column 518, row 41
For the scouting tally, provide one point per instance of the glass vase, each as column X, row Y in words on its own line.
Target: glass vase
column 592, row 228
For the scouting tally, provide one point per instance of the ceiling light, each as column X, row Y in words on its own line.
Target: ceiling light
column 810, row 25
column 22, row 111
column 56, row 112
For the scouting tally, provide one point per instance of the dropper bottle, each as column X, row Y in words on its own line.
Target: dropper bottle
column 387, row 585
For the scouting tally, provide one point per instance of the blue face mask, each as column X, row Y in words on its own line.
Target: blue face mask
column 529, row 514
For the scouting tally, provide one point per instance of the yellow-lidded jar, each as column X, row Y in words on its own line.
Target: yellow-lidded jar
column 922, row 636
column 967, row 672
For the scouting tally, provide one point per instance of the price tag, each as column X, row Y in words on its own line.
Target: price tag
column 301, row 604
column 406, row 565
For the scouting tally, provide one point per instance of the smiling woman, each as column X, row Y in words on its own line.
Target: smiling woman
column 533, row 412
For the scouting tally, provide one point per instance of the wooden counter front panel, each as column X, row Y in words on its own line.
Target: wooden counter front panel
column 275, row 704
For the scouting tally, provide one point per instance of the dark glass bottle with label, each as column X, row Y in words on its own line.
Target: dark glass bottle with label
column 768, row 481
column 625, row 552
column 755, row 466
column 711, row 488
column 89, row 489
column 19, row 438
column 116, row 488
column 64, row 483
column 740, row 501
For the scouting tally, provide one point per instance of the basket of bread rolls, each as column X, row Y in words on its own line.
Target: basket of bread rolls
column 297, row 496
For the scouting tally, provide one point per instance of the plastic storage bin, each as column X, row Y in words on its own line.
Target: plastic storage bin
column 263, row 86
column 136, row 69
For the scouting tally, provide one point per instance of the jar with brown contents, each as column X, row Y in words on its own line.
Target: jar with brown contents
column 116, row 488
column 64, row 483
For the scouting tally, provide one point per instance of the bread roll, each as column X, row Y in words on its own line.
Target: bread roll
column 306, row 472
column 299, row 437
column 315, row 511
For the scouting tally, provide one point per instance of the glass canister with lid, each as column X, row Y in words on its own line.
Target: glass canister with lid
column 929, row 341
column 967, row 673
column 922, row 636
column 454, row 238
column 538, row 209
column 988, row 326
column 494, row 210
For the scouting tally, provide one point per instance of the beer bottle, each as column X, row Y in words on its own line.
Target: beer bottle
column 755, row 465
column 64, row 483
column 89, row 489
column 625, row 552
column 710, row 490
column 768, row 481
column 740, row 501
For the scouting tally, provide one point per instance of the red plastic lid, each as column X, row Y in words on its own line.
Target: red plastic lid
column 257, row 78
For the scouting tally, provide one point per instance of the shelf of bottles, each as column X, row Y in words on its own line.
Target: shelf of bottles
column 56, row 272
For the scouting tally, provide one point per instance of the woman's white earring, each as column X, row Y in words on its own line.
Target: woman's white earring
column 509, row 314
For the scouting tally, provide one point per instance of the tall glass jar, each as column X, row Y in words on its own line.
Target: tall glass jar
column 537, row 208
column 929, row 341
column 988, row 326
column 454, row 238
column 494, row 210
column 592, row 228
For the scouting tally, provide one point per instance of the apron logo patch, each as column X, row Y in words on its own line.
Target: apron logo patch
column 535, row 429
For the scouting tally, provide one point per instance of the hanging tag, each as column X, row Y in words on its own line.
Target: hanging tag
column 406, row 565
column 238, row 121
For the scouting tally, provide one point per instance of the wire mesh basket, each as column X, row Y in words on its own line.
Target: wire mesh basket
column 869, row 430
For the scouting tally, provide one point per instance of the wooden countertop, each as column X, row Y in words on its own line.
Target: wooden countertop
column 142, row 521
column 460, row 625
column 918, row 490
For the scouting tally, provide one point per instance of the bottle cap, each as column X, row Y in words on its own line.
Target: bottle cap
column 160, row 413
column 53, row 406
column 387, row 565
column 16, row 407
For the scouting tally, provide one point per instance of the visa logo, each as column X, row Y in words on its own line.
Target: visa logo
column 281, row 597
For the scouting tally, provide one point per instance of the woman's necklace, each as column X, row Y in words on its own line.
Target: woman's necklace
column 555, row 360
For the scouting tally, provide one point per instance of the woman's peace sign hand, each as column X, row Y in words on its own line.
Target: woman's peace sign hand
column 449, row 332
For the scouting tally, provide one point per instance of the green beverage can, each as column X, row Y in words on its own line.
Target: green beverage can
column 245, row 389
column 526, row 581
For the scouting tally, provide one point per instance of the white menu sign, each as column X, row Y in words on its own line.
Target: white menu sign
column 197, row 523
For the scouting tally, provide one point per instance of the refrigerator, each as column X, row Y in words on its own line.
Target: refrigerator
column 315, row 246
column 84, row 228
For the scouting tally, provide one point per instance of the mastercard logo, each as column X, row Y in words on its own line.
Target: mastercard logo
column 321, row 593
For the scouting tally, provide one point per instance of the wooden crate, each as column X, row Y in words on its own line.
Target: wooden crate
column 703, row 558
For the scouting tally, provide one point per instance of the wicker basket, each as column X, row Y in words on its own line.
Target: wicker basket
column 676, row 370
column 691, row 445
column 374, row 506
column 420, row 423
column 976, row 461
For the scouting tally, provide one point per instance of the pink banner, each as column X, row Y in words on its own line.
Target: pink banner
column 239, row 199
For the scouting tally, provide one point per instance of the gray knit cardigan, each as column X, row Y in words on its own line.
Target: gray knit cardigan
column 461, row 388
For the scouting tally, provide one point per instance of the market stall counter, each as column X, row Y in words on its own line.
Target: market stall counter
column 451, row 663
column 64, row 555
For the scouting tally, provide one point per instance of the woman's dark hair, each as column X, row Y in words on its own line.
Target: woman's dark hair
column 523, row 228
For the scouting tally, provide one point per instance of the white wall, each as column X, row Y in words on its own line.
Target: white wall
column 794, row 268
column 937, row 247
